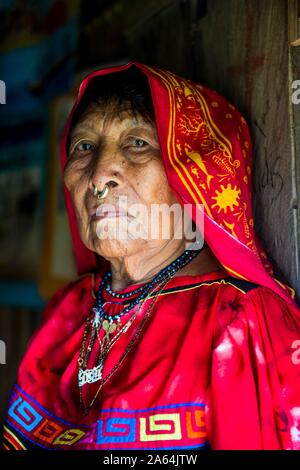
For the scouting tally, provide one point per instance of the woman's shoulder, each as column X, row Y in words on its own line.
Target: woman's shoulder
column 75, row 292
column 244, row 291
column 249, row 307
column 258, row 296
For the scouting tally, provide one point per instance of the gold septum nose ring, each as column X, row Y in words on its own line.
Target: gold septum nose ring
column 100, row 194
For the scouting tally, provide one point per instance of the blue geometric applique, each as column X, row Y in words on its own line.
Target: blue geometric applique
column 119, row 429
column 24, row 414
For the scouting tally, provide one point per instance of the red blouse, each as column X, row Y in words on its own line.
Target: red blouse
column 216, row 365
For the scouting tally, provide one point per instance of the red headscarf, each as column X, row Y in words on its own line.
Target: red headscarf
column 206, row 150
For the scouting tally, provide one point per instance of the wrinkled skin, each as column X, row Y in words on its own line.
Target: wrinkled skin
column 114, row 147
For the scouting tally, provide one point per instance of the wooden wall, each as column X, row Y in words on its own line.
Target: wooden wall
column 16, row 327
column 294, row 75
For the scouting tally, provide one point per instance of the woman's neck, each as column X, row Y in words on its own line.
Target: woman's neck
column 134, row 271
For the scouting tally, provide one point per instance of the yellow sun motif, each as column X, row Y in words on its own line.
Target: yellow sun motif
column 226, row 198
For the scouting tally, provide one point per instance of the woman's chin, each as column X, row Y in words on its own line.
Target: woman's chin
column 113, row 248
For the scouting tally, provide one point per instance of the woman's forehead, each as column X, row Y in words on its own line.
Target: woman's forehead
column 111, row 114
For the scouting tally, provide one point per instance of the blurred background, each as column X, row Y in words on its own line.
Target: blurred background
column 246, row 50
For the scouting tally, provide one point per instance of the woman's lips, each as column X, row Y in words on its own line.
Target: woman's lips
column 108, row 215
column 101, row 213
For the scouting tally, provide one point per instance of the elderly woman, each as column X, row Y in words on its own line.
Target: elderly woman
column 163, row 341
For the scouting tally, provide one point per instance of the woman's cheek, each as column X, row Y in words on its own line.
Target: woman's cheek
column 75, row 181
column 70, row 177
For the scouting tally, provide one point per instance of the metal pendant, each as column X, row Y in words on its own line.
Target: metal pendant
column 89, row 376
column 109, row 328
column 96, row 321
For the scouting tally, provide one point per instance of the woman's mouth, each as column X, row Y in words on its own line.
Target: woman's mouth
column 108, row 215
column 106, row 211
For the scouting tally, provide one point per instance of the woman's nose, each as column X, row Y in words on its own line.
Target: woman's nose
column 108, row 169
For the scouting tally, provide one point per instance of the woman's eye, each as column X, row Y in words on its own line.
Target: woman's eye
column 140, row 142
column 136, row 142
column 84, row 147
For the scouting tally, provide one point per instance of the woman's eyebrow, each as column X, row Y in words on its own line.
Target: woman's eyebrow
column 135, row 124
column 81, row 128
column 138, row 128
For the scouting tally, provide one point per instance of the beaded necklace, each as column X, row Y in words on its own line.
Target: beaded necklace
column 111, row 327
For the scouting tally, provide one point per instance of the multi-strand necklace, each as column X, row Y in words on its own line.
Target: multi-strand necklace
column 107, row 328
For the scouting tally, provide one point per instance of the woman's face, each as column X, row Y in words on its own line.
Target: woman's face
column 121, row 150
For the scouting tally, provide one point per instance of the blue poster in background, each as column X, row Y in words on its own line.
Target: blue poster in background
column 38, row 41
column 37, row 56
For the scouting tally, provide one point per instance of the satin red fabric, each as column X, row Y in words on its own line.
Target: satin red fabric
column 217, row 365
